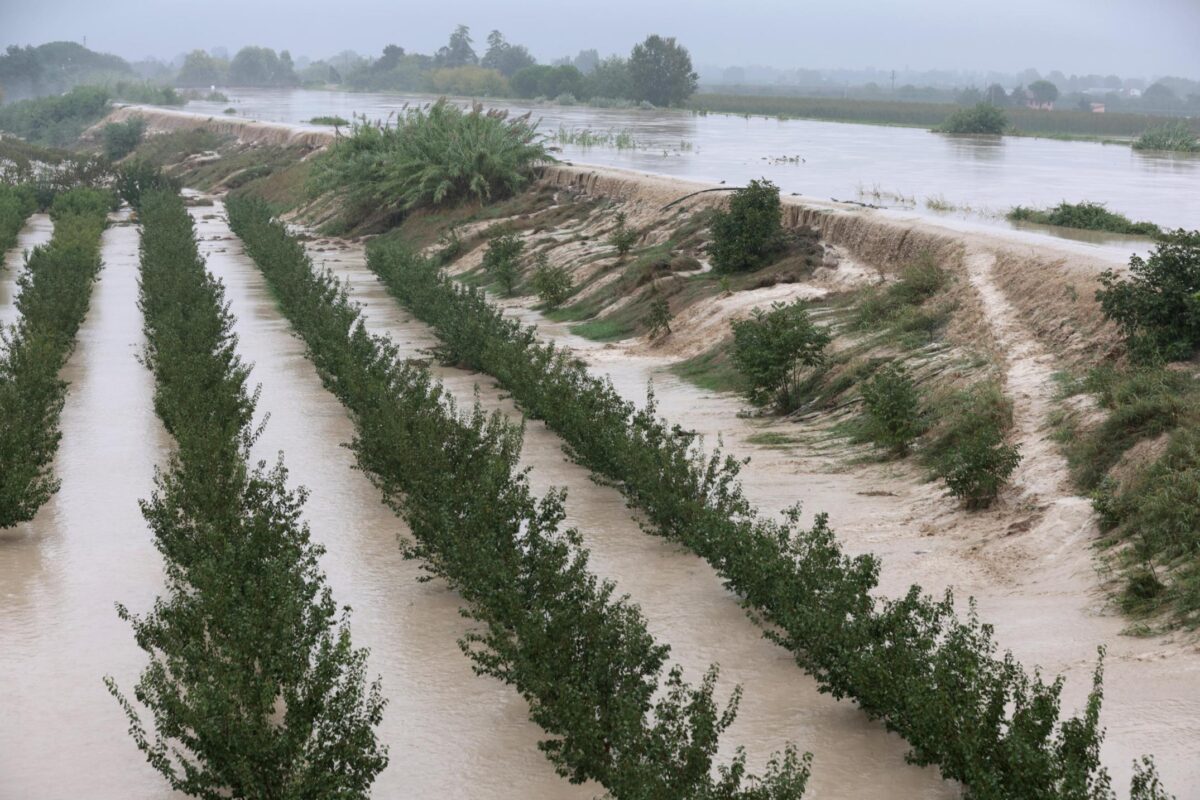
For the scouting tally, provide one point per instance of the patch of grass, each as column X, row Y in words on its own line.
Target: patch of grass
column 603, row 330
column 771, row 439
column 1142, row 404
column 712, row 370
column 1085, row 216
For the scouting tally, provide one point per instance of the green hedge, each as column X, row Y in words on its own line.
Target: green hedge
column 53, row 298
column 929, row 675
column 247, row 625
column 583, row 658
column 16, row 204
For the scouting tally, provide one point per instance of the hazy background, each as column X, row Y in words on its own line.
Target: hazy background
column 1130, row 37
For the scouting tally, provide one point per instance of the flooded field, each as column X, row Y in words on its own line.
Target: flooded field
column 983, row 176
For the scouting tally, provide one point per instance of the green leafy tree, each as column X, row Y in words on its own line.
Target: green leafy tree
column 261, row 66
column 660, row 71
column 122, row 138
column 1044, row 92
column 505, row 58
column 658, row 318
column 551, row 282
column 1157, row 304
column 623, row 237
column 200, row 69
column 893, row 408
column 502, row 260
column 458, row 52
column 996, row 96
column 749, row 233
column 772, row 348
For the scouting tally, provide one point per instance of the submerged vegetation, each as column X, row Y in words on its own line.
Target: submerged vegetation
column 1085, row 216
column 54, row 292
column 982, row 118
column 1172, row 136
column 254, row 686
column 595, row 679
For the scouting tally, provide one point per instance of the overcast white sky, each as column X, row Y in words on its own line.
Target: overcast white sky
column 1129, row 37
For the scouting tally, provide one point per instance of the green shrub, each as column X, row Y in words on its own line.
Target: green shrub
column 55, row 121
column 16, row 204
column 772, row 348
column 1172, row 136
column 502, row 260
column 1085, row 216
column 979, row 467
column 122, row 138
column 433, row 155
column 1157, row 307
column 53, row 298
column 749, row 233
column 138, row 177
column 251, row 661
column 982, row 118
column 623, row 238
column 551, row 282
column 658, row 317
column 968, row 448
column 893, row 408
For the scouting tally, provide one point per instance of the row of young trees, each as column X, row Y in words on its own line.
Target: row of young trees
column 54, row 292
column 16, row 204
column 931, row 676
column 254, row 687
column 583, row 658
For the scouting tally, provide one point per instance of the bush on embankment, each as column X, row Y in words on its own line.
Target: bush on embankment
column 432, row 155
column 253, row 685
column 582, row 658
column 929, row 675
column 54, row 291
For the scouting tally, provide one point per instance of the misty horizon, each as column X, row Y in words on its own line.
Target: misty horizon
column 1073, row 38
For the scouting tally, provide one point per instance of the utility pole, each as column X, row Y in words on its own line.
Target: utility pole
column 893, row 81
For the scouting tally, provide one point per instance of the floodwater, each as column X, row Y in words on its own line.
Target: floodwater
column 36, row 232
column 682, row 598
column 983, row 176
